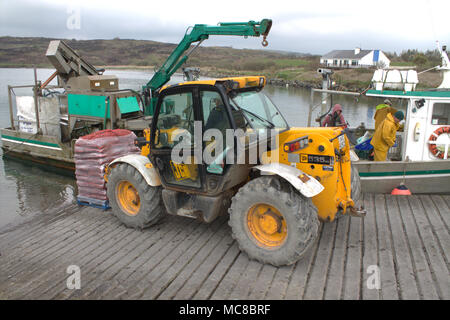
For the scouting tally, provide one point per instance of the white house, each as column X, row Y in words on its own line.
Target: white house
column 355, row 59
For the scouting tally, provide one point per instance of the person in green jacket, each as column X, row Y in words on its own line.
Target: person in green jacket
column 384, row 136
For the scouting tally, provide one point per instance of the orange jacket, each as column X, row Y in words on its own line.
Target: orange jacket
column 384, row 136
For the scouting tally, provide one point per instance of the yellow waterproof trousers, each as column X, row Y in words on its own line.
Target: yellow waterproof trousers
column 379, row 155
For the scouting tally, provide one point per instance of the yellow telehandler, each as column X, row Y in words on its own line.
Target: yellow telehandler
column 222, row 147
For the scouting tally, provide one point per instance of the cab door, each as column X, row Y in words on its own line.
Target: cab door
column 173, row 134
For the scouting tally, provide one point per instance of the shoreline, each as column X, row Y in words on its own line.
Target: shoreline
column 353, row 80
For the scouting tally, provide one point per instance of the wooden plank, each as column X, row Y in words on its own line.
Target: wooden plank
column 424, row 279
column 25, row 267
column 265, row 278
column 447, row 199
column 443, row 210
column 352, row 270
column 98, row 278
column 438, row 227
column 164, row 242
column 102, row 260
column 42, row 278
column 280, row 283
column 164, row 276
column 200, row 258
column 11, row 235
column 303, row 267
column 92, row 249
column 246, row 282
column 315, row 285
column 402, row 252
column 107, row 278
column 209, row 286
column 163, row 259
column 230, row 279
column 389, row 289
column 370, row 248
column 45, row 239
column 203, row 272
column 439, row 269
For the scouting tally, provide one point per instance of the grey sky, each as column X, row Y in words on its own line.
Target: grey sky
column 303, row 26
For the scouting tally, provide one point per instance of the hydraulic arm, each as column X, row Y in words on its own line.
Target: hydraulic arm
column 199, row 33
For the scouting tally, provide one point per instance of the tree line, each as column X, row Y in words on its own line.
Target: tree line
column 423, row 60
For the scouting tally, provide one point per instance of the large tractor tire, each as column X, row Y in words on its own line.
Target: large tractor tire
column 272, row 222
column 133, row 201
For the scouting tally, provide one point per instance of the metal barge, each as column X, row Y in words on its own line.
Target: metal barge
column 83, row 101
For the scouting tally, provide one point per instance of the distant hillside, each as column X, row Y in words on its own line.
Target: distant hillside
column 280, row 67
column 25, row 52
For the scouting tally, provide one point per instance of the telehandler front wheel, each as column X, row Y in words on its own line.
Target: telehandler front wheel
column 272, row 222
column 133, row 201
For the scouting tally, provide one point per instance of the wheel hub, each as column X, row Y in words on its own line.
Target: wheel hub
column 128, row 198
column 266, row 225
column 270, row 223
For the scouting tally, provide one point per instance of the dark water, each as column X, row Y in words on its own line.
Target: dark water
column 27, row 190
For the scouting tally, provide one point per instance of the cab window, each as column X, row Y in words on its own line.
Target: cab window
column 175, row 117
column 214, row 112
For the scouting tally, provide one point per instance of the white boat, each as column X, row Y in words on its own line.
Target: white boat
column 421, row 156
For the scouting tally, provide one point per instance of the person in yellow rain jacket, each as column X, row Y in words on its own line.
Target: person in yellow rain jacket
column 384, row 136
column 382, row 111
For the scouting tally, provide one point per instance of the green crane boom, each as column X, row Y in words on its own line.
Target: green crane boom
column 199, row 33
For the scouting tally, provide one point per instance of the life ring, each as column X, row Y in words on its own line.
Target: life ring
column 432, row 146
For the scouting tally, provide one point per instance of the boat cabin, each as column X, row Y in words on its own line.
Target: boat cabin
column 425, row 137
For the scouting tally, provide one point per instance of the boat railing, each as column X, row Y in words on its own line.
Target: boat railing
column 36, row 88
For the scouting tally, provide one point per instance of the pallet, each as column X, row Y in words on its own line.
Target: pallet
column 95, row 203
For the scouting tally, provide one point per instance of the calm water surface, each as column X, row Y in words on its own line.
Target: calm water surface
column 27, row 190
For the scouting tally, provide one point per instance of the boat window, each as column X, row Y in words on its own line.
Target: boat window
column 441, row 114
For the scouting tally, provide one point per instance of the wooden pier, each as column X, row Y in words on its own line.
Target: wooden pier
column 405, row 240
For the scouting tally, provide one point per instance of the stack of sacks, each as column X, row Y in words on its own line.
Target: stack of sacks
column 93, row 152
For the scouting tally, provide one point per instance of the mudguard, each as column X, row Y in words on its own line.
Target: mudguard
column 305, row 184
column 143, row 165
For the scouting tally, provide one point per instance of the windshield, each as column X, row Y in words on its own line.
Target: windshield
column 259, row 110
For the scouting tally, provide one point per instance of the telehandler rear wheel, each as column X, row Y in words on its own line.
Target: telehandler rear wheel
column 133, row 201
column 272, row 222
